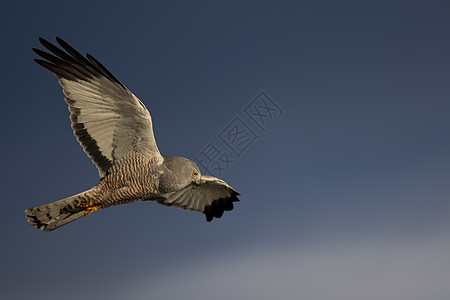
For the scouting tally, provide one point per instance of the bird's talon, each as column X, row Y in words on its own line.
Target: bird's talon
column 90, row 208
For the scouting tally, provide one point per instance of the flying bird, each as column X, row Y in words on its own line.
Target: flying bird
column 115, row 130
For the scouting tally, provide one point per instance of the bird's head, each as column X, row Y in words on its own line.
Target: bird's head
column 178, row 172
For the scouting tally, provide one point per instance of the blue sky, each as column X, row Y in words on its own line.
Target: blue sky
column 344, row 196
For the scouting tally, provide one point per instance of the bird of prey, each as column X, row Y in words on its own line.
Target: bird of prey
column 115, row 130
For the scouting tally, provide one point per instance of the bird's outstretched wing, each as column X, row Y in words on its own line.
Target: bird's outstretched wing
column 107, row 119
column 212, row 197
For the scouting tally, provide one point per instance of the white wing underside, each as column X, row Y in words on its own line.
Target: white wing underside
column 114, row 118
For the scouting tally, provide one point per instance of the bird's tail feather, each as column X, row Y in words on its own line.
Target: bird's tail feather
column 56, row 214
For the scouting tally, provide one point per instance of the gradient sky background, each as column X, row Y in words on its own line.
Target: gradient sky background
column 345, row 196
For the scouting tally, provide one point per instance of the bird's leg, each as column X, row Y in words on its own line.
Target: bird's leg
column 90, row 208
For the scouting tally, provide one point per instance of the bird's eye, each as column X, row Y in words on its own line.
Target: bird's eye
column 195, row 174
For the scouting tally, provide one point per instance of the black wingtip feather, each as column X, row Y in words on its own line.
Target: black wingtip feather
column 73, row 62
column 63, row 64
column 104, row 70
column 75, row 54
column 219, row 206
column 90, row 62
column 58, row 71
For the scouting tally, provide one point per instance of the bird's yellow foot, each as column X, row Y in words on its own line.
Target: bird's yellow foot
column 90, row 208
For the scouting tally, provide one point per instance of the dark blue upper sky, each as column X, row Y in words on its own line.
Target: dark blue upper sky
column 345, row 195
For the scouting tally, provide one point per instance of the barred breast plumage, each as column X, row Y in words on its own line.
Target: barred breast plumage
column 131, row 179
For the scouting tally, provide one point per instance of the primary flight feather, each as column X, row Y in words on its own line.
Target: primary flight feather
column 115, row 130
